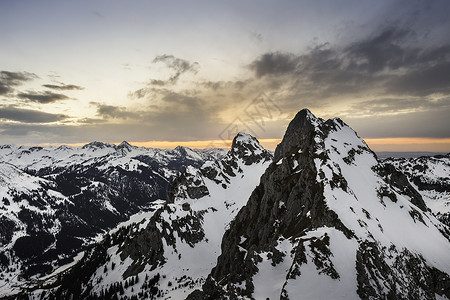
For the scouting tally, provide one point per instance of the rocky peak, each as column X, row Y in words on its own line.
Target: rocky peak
column 181, row 150
column 245, row 150
column 249, row 149
column 300, row 133
column 324, row 188
column 95, row 145
column 125, row 145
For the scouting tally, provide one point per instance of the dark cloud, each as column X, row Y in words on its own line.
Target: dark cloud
column 217, row 85
column 382, row 50
column 63, row 87
column 158, row 82
column 390, row 61
column 9, row 80
column 182, row 101
column 114, row 112
column 423, row 81
column 29, row 116
column 394, row 106
column 42, row 97
column 140, row 93
column 433, row 123
column 275, row 63
column 176, row 116
column 178, row 65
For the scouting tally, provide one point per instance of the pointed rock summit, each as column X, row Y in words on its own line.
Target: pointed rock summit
column 249, row 149
column 324, row 223
column 125, row 145
column 96, row 145
column 245, row 150
column 300, row 133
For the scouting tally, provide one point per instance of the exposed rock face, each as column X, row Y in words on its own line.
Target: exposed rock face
column 319, row 209
column 299, row 134
column 247, row 148
column 398, row 180
column 430, row 176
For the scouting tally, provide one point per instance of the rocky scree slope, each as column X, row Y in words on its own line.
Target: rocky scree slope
column 328, row 221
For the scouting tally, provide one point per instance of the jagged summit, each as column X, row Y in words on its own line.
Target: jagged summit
column 249, row 149
column 243, row 139
column 96, row 145
column 299, row 133
column 245, row 151
column 182, row 150
column 125, row 144
column 324, row 223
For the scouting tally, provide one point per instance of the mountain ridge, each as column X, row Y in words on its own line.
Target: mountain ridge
column 320, row 218
column 321, row 195
column 56, row 201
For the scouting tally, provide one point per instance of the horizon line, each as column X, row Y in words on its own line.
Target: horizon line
column 397, row 144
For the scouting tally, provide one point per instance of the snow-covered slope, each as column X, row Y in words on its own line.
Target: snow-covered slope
column 102, row 156
column 173, row 252
column 54, row 201
column 430, row 175
column 328, row 221
column 325, row 220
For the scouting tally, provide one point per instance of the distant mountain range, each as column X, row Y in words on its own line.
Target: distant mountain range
column 320, row 218
column 386, row 154
column 56, row 201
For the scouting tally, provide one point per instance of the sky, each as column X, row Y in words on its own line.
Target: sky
column 162, row 73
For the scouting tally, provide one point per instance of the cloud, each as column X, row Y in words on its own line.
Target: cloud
column 178, row 65
column 9, row 80
column 396, row 106
column 275, row 63
column 392, row 60
column 115, row 112
column 158, row 82
column 382, row 50
column 29, row 116
column 217, row 85
column 42, row 97
column 423, row 81
column 63, row 87
column 433, row 123
column 91, row 121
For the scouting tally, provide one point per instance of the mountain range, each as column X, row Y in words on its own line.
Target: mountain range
column 320, row 218
column 56, row 201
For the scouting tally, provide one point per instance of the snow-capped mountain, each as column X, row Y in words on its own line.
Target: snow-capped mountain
column 430, row 176
column 322, row 219
column 55, row 201
column 327, row 221
column 172, row 253
column 48, row 160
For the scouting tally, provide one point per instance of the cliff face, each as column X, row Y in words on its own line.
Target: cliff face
column 327, row 221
